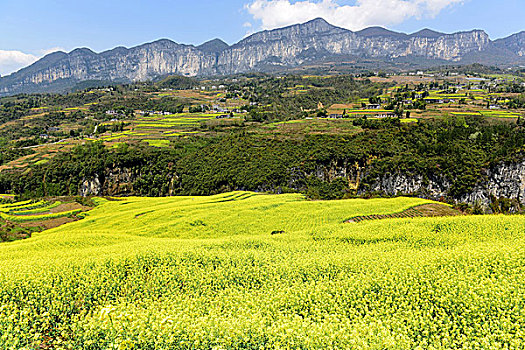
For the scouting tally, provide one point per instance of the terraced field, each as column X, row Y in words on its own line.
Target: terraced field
column 491, row 113
column 424, row 210
column 245, row 271
column 156, row 129
column 182, row 120
column 20, row 220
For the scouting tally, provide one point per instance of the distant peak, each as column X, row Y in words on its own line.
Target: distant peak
column 213, row 46
column 159, row 44
column 318, row 20
column 82, row 51
column 379, row 31
column 117, row 50
column 58, row 53
column 312, row 27
column 216, row 41
column 318, row 23
column 163, row 41
column 427, row 33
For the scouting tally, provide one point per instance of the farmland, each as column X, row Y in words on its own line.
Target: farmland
column 37, row 127
column 244, row 270
column 20, row 220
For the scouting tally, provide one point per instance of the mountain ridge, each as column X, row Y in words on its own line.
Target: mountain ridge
column 278, row 49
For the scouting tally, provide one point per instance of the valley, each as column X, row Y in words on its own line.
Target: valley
column 150, row 138
column 309, row 186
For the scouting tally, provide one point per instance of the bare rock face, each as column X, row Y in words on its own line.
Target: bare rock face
column 90, row 187
column 286, row 47
column 503, row 180
column 514, row 43
column 399, row 184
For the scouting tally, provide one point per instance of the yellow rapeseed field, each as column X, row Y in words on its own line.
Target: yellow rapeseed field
column 251, row 271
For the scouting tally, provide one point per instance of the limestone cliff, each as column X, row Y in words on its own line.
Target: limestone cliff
column 505, row 180
column 514, row 43
column 286, row 47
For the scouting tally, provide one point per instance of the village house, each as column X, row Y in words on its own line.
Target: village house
column 385, row 115
column 439, row 100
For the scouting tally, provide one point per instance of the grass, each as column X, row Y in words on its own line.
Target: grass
column 207, row 272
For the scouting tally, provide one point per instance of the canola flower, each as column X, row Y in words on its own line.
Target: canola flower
column 206, row 273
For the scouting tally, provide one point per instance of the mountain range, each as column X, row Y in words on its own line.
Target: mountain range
column 299, row 45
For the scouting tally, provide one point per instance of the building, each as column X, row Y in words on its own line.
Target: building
column 385, row 115
column 439, row 100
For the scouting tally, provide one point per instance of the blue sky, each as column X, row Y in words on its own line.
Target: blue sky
column 32, row 28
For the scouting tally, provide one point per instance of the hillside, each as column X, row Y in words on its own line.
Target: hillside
column 308, row 44
column 444, row 136
column 240, row 270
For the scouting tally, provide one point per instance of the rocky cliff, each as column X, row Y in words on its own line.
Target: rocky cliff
column 503, row 181
column 286, row 47
column 514, row 43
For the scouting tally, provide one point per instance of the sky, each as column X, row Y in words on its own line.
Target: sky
column 30, row 29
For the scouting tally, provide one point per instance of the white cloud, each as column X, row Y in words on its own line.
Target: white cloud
column 51, row 50
column 364, row 13
column 12, row 61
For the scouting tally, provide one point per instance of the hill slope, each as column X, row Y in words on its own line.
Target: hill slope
column 207, row 272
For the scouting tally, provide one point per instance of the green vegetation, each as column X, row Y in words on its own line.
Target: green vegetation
column 39, row 208
column 29, row 218
column 208, row 272
column 207, row 268
column 158, row 143
column 37, row 127
column 19, row 220
column 457, row 148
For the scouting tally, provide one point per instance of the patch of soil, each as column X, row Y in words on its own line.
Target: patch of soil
column 69, row 206
column 425, row 210
column 49, row 224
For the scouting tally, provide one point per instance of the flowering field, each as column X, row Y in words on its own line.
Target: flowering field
column 249, row 271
